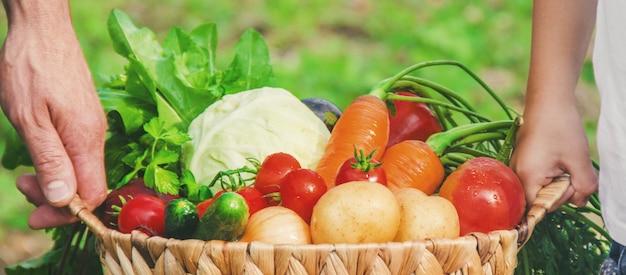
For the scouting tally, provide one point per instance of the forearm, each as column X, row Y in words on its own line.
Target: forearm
column 45, row 17
column 39, row 32
column 560, row 38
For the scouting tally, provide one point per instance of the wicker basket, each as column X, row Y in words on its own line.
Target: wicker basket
column 492, row 253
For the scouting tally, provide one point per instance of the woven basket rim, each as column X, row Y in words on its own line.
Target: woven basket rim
column 546, row 198
column 143, row 244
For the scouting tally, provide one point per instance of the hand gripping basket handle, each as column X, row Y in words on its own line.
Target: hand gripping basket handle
column 546, row 199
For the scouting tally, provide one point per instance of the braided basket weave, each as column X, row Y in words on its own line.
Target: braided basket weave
column 478, row 253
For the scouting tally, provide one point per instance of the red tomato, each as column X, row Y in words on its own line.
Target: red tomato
column 271, row 172
column 300, row 190
column 109, row 210
column 413, row 120
column 361, row 168
column 253, row 197
column 487, row 195
column 144, row 213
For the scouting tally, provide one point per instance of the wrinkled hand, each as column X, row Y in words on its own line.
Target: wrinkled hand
column 549, row 145
column 47, row 93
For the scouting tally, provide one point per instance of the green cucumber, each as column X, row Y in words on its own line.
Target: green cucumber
column 225, row 219
column 181, row 219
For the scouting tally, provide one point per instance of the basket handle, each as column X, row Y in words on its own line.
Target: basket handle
column 546, row 198
column 79, row 209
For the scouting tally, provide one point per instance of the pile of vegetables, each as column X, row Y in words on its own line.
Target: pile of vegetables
column 195, row 151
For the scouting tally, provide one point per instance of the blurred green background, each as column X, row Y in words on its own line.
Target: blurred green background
column 324, row 48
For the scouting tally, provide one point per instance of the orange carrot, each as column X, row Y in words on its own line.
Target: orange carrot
column 412, row 163
column 364, row 125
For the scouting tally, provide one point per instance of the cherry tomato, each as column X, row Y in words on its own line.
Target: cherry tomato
column 144, row 213
column 271, row 172
column 361, row 168
column 487, row 195
column 300, row 190
column 253, row 197
column 412, row 120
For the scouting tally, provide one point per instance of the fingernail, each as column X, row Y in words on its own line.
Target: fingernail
column 57, row 191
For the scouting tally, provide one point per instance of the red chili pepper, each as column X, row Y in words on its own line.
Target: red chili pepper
column 413, row 120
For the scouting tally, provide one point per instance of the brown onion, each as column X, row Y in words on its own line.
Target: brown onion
column 277, row 225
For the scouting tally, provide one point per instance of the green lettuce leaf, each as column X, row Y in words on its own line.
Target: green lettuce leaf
column 251, row 68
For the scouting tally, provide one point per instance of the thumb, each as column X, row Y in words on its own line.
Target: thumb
column 55, row 174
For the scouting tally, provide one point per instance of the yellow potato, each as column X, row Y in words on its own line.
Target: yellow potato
column 355, row 212
column 424, row 216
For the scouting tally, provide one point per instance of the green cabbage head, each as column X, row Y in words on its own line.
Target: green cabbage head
column 252, row 124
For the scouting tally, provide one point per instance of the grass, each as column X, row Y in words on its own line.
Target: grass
column 333, row 49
